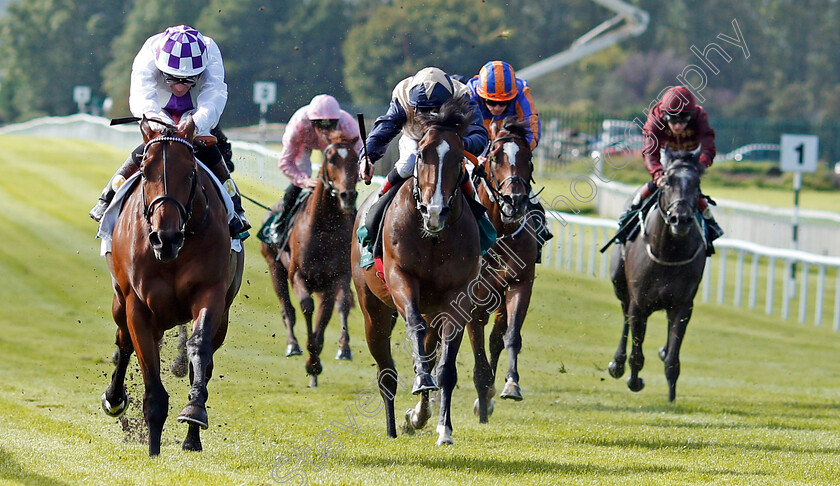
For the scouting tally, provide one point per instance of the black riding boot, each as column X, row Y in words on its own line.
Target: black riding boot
column 239, row 225
column 713, row 231
column 289, row 200
column 129, row 167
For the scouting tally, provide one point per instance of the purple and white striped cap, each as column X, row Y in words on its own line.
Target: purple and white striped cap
column 181, row 51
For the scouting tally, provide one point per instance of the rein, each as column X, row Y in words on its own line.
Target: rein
column 184, row 211
column 324, row 174
column 415, row 189
column 664, row 213
column 495, row 187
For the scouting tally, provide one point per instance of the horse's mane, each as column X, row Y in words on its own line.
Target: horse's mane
column 684, row 159
column 455, row 112
column 515, row 126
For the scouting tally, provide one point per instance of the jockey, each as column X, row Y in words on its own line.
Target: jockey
column 426, row 91
column 679, row 123
column 177, row 72
column 305, row 132
column 499, row 94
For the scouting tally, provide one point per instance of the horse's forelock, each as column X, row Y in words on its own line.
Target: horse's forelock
column 515, row 126
column 455, row 112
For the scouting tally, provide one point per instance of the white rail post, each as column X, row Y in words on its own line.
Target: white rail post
column 605, row 262
column 707, row 279
column 754, row 280
column 818, row 312
column 593, row 249
column 837, row 302
column 721, row 290
column 786, row 288
column 739, row 278
column 771, row 274
column 581, row 242
column 803, row 293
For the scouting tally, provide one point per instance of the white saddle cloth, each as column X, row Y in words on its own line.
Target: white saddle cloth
column 109, row 219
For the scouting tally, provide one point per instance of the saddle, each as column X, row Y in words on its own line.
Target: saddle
column 277, row 228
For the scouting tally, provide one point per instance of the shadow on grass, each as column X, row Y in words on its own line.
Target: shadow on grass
column 10, row 470
column 658, row 444
column 501, row 468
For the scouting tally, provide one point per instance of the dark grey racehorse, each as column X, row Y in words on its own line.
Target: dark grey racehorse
column 661, row 269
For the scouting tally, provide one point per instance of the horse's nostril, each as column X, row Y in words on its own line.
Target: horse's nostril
column 424, row 209
column 443, row 213
column 178, row 239
column 154, row 239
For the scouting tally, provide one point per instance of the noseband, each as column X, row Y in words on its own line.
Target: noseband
column 184, row 211
column 325, row 176
column 495, row 187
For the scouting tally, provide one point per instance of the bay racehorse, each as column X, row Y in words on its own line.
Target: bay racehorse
column 318, row 260
column 430, row 255
column 171, row 262
column 661, row 269
column 507, row 269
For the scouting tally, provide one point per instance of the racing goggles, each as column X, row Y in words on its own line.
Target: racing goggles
column 172, row 80
column 325, row 123
column 677, row 117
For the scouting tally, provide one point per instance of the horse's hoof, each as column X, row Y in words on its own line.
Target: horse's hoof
column 344, row 354
column 293, row 350
column 192, row 445
column 423, row 382
column 491, row 405
column 179, row 367
column 511, row 391
column 662, row 352
column 616, row 369
column 444, row 435
column 194, row 414
column 313, row 381
column 115, row 410
column 635, row 385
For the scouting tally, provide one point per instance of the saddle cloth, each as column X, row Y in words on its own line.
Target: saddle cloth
column 109, row 219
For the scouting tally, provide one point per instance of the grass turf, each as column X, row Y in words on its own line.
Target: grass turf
column 756, row 402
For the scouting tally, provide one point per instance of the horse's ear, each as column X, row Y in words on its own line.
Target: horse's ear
column 186, row 129
column 146, row 130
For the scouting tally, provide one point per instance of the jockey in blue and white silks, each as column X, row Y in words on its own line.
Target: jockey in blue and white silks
column 500, row 94
column 427, row 90
column 179, row 72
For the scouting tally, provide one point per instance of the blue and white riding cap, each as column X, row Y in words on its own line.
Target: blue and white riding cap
column 430, row 88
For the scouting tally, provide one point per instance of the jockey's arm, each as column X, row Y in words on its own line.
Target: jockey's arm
column 143, row 91
column 476, row 138
column 212, row 98
column 385, row 128
column 294, row 152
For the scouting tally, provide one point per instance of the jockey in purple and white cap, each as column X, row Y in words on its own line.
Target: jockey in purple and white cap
column 178, row 72
column 303, row 135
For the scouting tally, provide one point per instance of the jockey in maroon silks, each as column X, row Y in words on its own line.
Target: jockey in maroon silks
column 679, row 123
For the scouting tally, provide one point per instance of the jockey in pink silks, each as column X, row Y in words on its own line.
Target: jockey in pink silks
column 305, row 132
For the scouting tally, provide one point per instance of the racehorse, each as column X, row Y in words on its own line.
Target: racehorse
column 661, row 269
column 430, row 255
column 507, row 269
column 171, row 262
column 318, row 260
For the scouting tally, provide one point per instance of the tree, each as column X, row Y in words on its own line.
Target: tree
column 47, row 51
column 399, row 39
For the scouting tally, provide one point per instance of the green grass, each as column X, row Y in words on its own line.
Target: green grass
column 756, row 403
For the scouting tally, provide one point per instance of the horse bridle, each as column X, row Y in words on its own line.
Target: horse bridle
column 415, row 189
column 495, row 187
column 184, row 211
column 666, row 212
column 325, row 176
